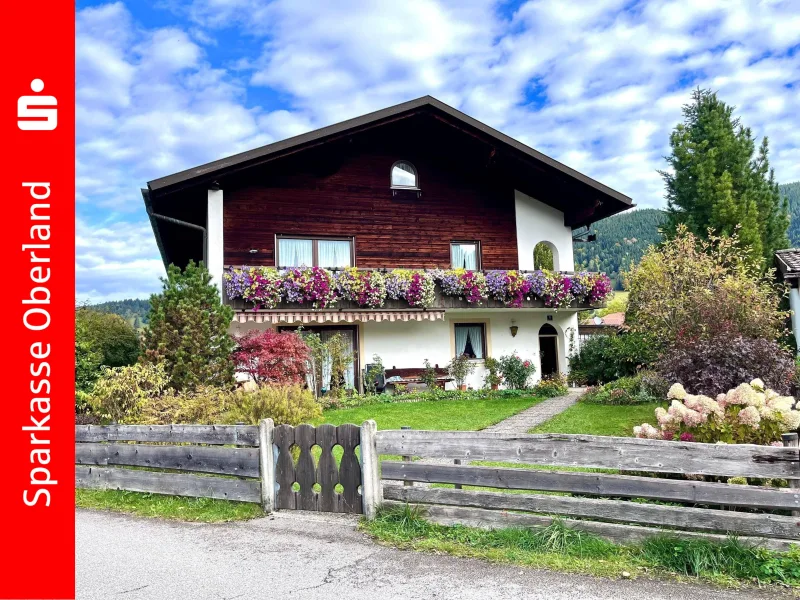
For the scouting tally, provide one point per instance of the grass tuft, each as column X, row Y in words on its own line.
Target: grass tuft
column 204, row 510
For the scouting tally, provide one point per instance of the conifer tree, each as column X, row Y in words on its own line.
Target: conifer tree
column 188, row 330
column 718, row 180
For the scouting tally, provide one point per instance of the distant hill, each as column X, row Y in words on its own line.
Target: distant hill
column 791, row 191
column 621, row 240
column 134, row 311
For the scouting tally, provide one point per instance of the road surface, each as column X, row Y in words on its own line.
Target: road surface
column 315, row 556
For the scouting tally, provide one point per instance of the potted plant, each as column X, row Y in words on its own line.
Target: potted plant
column 459, row 369
column 493, row 377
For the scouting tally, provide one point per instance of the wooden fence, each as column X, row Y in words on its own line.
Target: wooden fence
column 229, row 462
column 599, row 502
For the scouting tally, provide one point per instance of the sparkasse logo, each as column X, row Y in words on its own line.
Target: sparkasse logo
column 32, row 118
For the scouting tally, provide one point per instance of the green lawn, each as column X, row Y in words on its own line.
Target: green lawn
column 597, row 419
column 457, row 415
column 204, row 510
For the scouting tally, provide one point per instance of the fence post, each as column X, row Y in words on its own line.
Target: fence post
column 371, row 495
column 267, row 464
column 790, row 440
column 406, row 458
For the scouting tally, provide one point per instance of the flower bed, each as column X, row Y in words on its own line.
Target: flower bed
column 267, row 287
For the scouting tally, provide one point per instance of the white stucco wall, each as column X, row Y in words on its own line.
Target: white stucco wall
column 538, row 222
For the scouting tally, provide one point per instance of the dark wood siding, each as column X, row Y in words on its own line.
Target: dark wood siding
column 343, row 190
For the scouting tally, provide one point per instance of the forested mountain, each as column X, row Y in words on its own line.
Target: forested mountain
column 132, row 310
column 621, row 240
column 791, row 191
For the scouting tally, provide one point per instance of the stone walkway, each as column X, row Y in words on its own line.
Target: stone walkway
column 536, row 415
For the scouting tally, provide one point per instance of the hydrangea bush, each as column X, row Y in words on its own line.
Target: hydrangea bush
column 267, row 287
column 747, row 414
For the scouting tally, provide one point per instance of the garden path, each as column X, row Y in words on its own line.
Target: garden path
column 524, row 421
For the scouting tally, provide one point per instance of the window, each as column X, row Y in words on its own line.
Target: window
column 470, row 339
column 545, row 256
column 465, row 255
column 311, row 252
column 404, row 175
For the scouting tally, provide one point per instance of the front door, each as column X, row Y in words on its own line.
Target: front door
column 548, row 351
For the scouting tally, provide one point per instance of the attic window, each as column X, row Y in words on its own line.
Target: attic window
column 404, row 176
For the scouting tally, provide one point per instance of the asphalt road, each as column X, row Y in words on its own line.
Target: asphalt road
column 315, row 556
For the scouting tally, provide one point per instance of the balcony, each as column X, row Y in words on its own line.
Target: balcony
column 264, row 289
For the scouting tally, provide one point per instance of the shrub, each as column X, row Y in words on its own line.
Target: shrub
column 460, row 368
column 691, row 289
column 121, row 392
column 271, row 357
column 111, row 336
column 516, row 371
column 493, row 377
column 188, row 330
column 429, row 377
column 747, row 414
column 643, row 388
column 289, row 404
column 87, row 366
column 372, row 374
column 551, row 386
column 205, row 405
column 714, row 366
column 604, row 358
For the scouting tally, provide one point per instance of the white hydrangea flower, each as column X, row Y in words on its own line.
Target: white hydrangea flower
column 791, row 420
column 758, row 384
column 676, row 392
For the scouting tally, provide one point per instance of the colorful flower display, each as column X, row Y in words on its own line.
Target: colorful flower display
column 747, row 414
column 267, row 287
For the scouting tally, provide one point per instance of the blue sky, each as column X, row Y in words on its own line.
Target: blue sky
column 168, row 84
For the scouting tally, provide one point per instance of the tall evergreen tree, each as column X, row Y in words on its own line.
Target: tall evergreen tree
column 188, row 330
column 718, row 180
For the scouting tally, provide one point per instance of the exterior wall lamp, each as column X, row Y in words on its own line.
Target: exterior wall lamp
column 514, row 329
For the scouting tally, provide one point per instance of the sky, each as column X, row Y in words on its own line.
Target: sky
column 164, row 85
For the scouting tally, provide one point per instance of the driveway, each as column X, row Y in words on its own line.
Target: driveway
column 313, row 556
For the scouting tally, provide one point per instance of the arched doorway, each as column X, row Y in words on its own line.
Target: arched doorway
column 545, row 256
column 548, row 349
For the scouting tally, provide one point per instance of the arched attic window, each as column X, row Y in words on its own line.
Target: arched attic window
column 404, row 176
column 545, row 256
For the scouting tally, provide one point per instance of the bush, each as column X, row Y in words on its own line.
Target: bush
column 271, row 357
column 121, row 392
column 429, row 377
column 493, row 377
column 714, row 366
column 604, row 358
column 109, row 335
column 289, row 404
column 515, row 371
column 460, row 368
column 205, row 405
column 551, row 386
column 747, row 414
column 643, row 388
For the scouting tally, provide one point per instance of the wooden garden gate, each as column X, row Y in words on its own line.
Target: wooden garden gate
column 307, row 474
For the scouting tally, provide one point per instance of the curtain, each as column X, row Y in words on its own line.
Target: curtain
column 465, row 256
column 475, row 333
column 404, row 175
column 461, row 339
column 334, row 253
column 295, row 253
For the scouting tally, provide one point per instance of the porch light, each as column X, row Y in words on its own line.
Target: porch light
column 514, row 329
column 253, row 251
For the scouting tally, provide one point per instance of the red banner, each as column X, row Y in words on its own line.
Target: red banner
column 37, row 504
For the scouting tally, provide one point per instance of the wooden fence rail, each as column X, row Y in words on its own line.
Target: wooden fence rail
column 602, row 502
column 233, row 463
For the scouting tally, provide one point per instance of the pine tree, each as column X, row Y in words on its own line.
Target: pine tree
column 719, row 182
column 188, row 330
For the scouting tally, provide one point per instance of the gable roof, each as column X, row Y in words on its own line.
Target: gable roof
column 209, row 171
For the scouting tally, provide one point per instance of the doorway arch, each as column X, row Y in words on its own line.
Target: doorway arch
column 548, row 350
column 545, row 256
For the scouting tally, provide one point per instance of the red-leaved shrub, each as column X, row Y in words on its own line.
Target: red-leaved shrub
column 717, row 365
column 272, row 357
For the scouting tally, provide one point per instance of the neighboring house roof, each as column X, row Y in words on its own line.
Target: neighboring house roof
column 788, row 262
column 209, row 171
column 616, row 319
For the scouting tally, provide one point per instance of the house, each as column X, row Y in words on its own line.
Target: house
column 607, row 325
column 788, row 263
column 402, row 195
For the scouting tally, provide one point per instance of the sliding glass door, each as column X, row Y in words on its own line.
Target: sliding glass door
column 327, row 373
